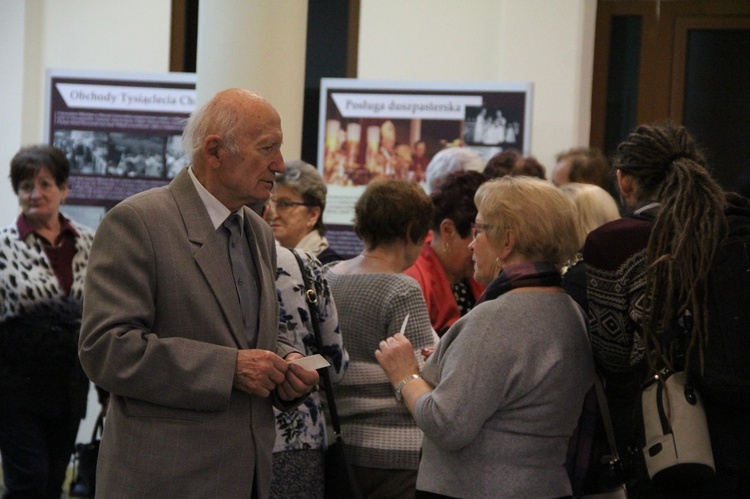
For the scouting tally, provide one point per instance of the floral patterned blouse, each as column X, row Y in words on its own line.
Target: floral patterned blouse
column 305, row 427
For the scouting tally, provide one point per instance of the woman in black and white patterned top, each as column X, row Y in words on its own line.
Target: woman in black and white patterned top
column 301, row 433
column 43, row 389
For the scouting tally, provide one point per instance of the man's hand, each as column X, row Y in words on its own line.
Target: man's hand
column 258, row 372
column 298, row 380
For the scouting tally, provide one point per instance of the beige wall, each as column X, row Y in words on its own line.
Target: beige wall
column 259, row 45
column 549, row 43
column 99, row 35
column 12, row 16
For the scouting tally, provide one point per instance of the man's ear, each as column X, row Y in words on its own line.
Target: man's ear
column 211, row 150
column 627, row 186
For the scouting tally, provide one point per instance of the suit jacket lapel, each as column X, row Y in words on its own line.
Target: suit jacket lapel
column 210, row 252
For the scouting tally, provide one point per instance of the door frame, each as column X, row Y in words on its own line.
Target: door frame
column 662, row 55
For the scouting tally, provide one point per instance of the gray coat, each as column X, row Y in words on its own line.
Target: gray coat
column 161, row 329
column 510, row 378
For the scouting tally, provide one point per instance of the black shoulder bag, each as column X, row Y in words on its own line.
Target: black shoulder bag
column 339, row 476
column 85, row 456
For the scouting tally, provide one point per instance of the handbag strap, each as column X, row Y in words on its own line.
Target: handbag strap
column 601, row 397
column 312, row 304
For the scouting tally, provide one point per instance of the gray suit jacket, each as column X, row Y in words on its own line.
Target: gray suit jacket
column 161, row 329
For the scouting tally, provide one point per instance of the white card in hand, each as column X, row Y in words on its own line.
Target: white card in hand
column 312, row 362
column 403, row 326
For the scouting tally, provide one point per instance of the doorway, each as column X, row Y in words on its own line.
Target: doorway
column 688, row 62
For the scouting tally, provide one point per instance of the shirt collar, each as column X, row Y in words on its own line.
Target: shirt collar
column 216, row 209
column 313, row 242
column 642, row 208
column 25, row 229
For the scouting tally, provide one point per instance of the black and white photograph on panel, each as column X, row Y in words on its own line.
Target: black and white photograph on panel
column 86, row 150
column 136, row 156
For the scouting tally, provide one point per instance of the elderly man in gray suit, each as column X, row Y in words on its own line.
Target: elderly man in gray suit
column 182, row 332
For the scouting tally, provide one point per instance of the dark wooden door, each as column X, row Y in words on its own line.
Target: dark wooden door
column 685, row 61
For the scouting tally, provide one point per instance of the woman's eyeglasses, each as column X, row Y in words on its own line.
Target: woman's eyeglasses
column 285, row 204
column 476, row 228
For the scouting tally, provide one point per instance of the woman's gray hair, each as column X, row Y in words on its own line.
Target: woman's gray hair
column 304, row 179
column 449, row 160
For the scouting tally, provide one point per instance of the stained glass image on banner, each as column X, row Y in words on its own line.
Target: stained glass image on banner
column 373, row 129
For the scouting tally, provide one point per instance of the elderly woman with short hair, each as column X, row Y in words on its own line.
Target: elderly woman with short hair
column 373, row 297
column 43, row 390
column 295, row 211
column 444, row 269
column 499, row 399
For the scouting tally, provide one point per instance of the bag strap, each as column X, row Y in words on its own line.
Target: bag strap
column 312, row 304
column 601, row 396
column 601, row 399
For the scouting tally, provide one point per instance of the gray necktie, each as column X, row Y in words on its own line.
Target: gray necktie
column 243, row 271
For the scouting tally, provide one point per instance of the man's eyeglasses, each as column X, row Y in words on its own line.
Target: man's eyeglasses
column 285, row 204
column 476, row 228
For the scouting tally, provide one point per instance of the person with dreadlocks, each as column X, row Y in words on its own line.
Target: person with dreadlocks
column 670, row 285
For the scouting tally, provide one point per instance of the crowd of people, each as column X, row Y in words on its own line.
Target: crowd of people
column 463, row 342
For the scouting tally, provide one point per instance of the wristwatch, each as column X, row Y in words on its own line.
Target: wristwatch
column 403, row 383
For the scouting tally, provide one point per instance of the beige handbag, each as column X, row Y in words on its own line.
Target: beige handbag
column 678, row 446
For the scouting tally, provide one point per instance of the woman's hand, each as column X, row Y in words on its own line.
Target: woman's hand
column 396, row 357
column 426, row 352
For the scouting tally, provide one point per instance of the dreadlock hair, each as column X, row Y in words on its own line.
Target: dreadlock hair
column 667, row 166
